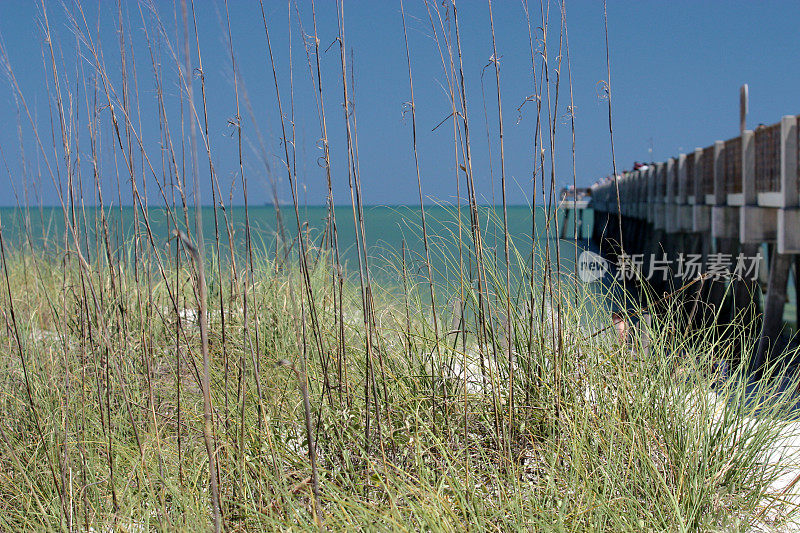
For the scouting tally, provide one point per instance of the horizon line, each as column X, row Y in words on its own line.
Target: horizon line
column 250, row 206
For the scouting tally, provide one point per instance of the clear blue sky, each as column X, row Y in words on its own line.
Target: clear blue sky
column 676, row 71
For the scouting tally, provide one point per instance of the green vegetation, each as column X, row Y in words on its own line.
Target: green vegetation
column 103, row 411
column 193, row 385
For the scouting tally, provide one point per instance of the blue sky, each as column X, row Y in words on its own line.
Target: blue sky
column 676, row 68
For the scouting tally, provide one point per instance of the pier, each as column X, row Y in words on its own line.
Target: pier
column 732, row 206
column 574, row 202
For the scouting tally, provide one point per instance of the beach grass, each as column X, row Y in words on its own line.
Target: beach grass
column 103, row 414
column 196, row 384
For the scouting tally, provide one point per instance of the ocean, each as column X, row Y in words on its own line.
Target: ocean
column 388, row 229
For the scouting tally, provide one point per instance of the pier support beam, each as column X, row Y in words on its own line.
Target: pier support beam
column 567, row 213
column 717, row 292
column 789, row 230
column 725, row 222
column 773, row 307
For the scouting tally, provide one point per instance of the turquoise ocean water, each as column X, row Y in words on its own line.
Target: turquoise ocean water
column 387, row 230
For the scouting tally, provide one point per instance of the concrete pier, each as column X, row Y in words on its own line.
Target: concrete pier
column 717, row 213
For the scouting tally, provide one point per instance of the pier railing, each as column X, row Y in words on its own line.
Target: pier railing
column 732, row 168
column 745, row 188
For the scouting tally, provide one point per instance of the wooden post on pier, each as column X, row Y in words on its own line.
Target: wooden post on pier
column 725, row 213
column 659, row 200
column 671, row 209
column 701, row 213
column 797, row 290
column 743, row 105
column 789, row 213
column 684, row 210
